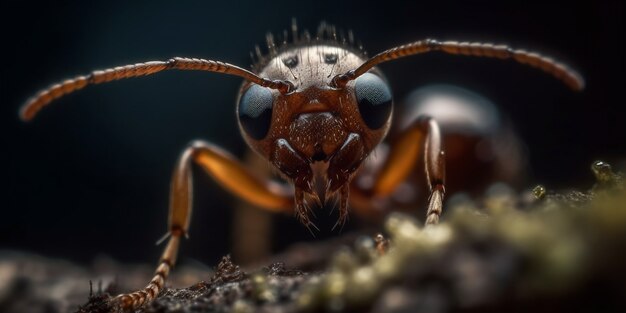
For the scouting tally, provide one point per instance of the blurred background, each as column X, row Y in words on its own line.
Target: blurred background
column 90, row 175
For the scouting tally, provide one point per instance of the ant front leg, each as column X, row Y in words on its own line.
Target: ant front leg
column 234, row 177
column 424, row 134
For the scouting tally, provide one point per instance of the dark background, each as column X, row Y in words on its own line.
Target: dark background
column 91, row 174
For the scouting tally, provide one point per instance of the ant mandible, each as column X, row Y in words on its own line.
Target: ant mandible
column 315, row 109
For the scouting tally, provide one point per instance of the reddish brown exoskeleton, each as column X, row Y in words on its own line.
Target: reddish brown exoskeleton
column 315, row 109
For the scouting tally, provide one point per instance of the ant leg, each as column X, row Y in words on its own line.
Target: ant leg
column 234, row 177
column 404, row 154
column 240, row 181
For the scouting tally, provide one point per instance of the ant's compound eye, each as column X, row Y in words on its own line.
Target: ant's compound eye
column 374, row 99
column 255, row 111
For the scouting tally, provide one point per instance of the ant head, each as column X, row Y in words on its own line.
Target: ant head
column 311, row 104
column 315, row 121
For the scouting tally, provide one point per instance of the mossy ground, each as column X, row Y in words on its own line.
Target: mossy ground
column 535, row 251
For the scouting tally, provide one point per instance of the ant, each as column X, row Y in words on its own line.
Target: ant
column 315, row 109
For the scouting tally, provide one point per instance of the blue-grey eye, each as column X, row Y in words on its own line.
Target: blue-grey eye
column 255, row 111
column 374, row 99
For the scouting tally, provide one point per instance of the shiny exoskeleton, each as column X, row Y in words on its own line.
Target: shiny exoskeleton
column 315, row 109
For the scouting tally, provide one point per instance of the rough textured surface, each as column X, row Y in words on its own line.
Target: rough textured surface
column 535, row 251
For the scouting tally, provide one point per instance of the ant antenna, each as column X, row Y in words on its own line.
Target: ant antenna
column 44, row 97
column 560, row 71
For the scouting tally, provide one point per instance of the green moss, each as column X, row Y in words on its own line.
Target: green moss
column 550, row 246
